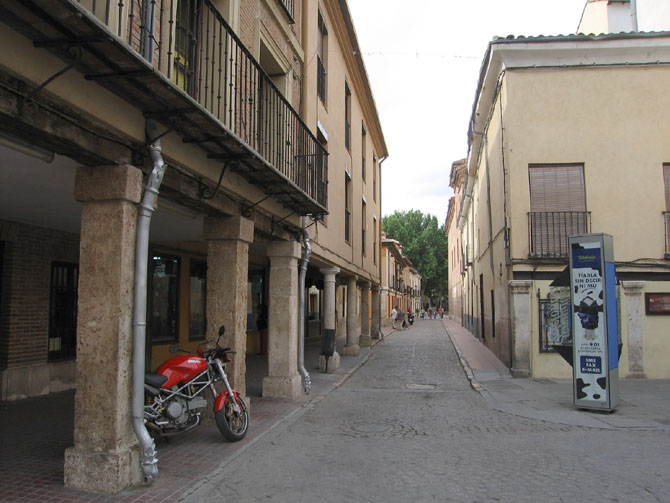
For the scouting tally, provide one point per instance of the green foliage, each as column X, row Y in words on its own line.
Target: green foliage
column 425, row 244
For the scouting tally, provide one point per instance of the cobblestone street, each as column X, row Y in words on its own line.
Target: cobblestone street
column 407, row 426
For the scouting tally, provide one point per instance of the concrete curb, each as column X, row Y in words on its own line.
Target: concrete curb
column 474, row 384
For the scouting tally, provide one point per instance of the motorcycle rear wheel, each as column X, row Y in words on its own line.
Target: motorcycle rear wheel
column 231, row 425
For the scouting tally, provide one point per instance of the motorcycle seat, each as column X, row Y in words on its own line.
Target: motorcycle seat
column 154, row 379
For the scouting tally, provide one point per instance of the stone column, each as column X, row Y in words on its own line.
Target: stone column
column 105, row 456
column 365, row 340
column 376, row 300
column 328, row 329
column 228, row 240
column 521, row 327
column 283, row 380
column 352, row 347
column 634, row 312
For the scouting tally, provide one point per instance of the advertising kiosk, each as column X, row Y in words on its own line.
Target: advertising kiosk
column 594, row 322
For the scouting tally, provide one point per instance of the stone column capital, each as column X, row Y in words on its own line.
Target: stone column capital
column 365, row 284
column 633, row 287
column 376, row 287
column 108, row 183
column 329, row 271
column 286, row 249
column 234, row 228
column 520, row 286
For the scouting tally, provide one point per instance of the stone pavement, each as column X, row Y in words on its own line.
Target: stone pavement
column 35, row 432
column 408, row 426
column 645, row 404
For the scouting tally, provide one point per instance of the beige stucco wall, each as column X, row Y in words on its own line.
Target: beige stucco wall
column 341, row 71
column 611, row 119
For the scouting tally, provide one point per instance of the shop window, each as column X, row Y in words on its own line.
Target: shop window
column 197, row 326
column 63, row 311
column 256, row 309
column 163, row 305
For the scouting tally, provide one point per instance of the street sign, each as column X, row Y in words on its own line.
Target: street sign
column 594, row 322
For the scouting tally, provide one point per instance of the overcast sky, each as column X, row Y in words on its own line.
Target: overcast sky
column 423, row 59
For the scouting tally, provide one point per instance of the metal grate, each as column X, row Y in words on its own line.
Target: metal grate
column 548, row 231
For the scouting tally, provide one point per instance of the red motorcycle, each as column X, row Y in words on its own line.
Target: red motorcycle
column 175, row 394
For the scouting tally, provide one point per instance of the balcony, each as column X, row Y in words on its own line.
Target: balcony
column 548, row 231
column 179, row 62
column 287, row 5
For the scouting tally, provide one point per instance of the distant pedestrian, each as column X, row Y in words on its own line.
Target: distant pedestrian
column 430, row 313
column 441, row 310
column 394, row 317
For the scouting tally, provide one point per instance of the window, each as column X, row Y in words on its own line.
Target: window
column 197, row 325
column 364, row 226
column 256, row 306
column 347, row 117
column 364, row 134
column 374, row 178
column 321, row 59
column 557, row 207
column 163, row 302
column 186, row 44
column 63, row 311
column 374, row 240
column 347, row 207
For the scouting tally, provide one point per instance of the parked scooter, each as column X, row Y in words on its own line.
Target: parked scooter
column 175, row 394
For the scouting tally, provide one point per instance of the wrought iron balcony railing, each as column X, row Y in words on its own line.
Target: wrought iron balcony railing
column 548, row 231
column 288, row 7
column 220, row 96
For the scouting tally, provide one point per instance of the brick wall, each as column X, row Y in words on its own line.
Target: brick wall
column 24, row 298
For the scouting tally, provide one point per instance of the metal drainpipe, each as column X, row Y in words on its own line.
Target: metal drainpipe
column 149, row 459
column 301, row 333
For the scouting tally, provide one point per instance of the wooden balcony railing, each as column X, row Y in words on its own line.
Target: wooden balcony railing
column 548, row 231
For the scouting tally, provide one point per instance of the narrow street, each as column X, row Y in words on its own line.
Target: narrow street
column 407, row 426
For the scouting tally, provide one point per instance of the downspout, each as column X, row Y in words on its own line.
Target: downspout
column 301, row 282
column 149, row 459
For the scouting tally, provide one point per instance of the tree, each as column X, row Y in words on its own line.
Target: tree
column 425, row 244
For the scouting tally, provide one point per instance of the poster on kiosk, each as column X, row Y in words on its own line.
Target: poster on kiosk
column 594, row 322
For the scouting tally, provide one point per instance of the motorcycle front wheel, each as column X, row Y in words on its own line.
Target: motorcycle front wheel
column 232, row 426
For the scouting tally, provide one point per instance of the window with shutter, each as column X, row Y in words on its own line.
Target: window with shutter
column 557, row 207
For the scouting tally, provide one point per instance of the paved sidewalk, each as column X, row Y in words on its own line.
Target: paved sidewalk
column 645, row 404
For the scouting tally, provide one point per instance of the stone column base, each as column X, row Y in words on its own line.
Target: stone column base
column 333, row 363
column 282, row 387
column 365, row 341
column 351, row 350
column 108, row 471
column 635, row 374
column 519, row 373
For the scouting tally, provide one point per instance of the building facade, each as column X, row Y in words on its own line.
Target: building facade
column 263, row 116
column 567, row 137
column 455, row 262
